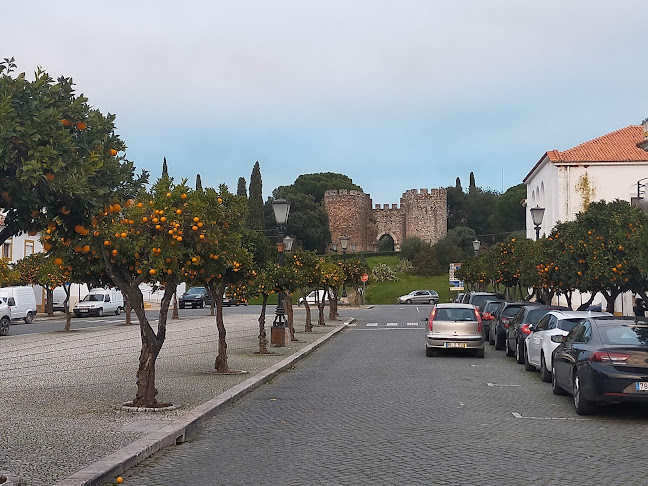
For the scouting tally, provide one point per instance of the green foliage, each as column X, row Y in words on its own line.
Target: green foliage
column 307, row 222
column 57, row 154
column 410, row 247
column 240, row 187
column 383, row 273
column 255, row 200
column 404, row 265
column 509, row 215
column 317, row 184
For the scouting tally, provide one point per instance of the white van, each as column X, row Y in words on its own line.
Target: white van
column 99, row 302
column 21, row 302
column 58, row 299
column 313, row 298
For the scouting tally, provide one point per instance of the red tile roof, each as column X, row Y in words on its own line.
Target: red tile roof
column 618, row 146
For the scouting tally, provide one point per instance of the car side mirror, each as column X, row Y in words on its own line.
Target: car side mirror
column 11, row 302
column 558, row 338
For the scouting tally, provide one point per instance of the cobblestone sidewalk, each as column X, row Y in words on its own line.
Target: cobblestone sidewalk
column 58, row 391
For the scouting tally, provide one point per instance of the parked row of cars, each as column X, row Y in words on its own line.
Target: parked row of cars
column 594, row 356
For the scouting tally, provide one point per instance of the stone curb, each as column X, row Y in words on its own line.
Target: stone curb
column 9, row 479
column 111, row 466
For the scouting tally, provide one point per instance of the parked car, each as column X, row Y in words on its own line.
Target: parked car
column 314, row 297
column 486, row 310
column 459, row 297
column 99, row 302
column 602, row 359
column 5, row 319
column 419, row 297
column 194, row 297
column 454, row 326
column 522, row 325
column 21, row 301
column 539, row 346
column 476, row 298
column 502, row 316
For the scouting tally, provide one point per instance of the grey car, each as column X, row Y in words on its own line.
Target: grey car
column 419, row 297
column 454, row 326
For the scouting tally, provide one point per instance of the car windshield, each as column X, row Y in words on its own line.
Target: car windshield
column 535, row 315
column 568, row 324
column 510, row 311
column 455, row 314
column 491, row 306
column 478, row 299
column 93, row 298
column 624, row 335
column 195, row 291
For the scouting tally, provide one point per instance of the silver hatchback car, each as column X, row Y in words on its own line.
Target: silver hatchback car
column 454, row 326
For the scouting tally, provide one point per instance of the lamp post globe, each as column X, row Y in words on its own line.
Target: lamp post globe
column 537, row 214
column 476, row 244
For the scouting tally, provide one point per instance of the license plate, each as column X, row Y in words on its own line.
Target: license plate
column 455, row 345
column 641, row 385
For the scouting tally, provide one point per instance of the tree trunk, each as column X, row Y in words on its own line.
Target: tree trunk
column 610, row 298
column 66, row 306
column 127, row 310
column 220, row 364
column 308, row 327
column 174, row 314
column 289, row 314
column 585, row 305
column 263, row 340
column 49, row 305
column 568, row 296
column 320, row 310
column 333, row 295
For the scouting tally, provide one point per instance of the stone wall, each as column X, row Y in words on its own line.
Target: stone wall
column 421, row 213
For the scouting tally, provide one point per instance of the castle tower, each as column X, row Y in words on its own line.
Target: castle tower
column 425, row 214
column 349, row 213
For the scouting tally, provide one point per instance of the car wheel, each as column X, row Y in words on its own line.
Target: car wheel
column 509, row 352
column 431, row 301
column 545, row 374
column 408, row 301
column 202, row 304
column 479, row 353
column 527, row 366
column 519, row 353
column 555, row 387
column 582, row 406
column 100, row 312
column 181, row 306
column 4, row 326
column 430, row 352
column 29, row 318
column 117, row 310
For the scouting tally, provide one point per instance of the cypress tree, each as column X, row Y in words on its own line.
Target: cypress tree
column 198, row 183
column 255, row 200
column 458, row 184
column 241, row 190
column 165, row 170
column 472, row 186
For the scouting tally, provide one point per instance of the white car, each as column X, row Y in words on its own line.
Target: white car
column 538, row 346
column 314, row 298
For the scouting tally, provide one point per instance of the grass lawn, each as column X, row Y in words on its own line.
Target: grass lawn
column 388, row 292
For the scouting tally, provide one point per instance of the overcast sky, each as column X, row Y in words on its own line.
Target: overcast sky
column 396, row 94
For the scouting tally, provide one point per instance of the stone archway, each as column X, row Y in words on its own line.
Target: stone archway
column 386, row 243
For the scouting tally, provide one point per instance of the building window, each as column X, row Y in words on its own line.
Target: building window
column 29, row 247
column 6, row 250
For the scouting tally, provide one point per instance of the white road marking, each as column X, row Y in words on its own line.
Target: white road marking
column 353, row 324
column 412, row 323
column 495, row 384
column 372, row 324
column 392, row 324
column 519, row 416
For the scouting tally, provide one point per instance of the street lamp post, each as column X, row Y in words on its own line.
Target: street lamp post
column 281, row 209
column 537, row 214
column 476, row 244
column 344, row 244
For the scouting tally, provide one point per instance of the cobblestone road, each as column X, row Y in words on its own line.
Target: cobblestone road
column 370, row 408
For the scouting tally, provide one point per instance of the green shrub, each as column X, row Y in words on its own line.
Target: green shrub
column 404, row 265
column 383, row 273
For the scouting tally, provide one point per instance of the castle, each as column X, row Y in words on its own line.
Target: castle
column 421, row 213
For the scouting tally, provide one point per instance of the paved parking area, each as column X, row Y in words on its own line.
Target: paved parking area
column 58, row 390
column 371, row 408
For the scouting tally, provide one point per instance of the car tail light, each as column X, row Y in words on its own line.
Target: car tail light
column 487, row 316
column 480, row 326
column 505, row 322
column 605, row 357
column 431, row 319
column 525, row 329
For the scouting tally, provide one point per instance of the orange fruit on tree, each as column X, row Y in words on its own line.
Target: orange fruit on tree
column 58, row 261
column 183, row 196
column 113, row 152
column 81, row 126
column 152, row 271
column 65, row 210
column 117, row 207
column 79, row 228
column 107, row 242
column 65, row 122
column 49, row 176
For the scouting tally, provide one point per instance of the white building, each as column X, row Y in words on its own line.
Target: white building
column 18, row 247
column 606, row 168
column 613, row 166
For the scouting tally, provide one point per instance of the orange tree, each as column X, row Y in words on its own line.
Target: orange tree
column 511, row 255
column 353, row 269
column 146, row 240
column 221, row 258
column 8, row 276
column 306, row 269
column 330, row 277
column 39, row 269
column 59, row 157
